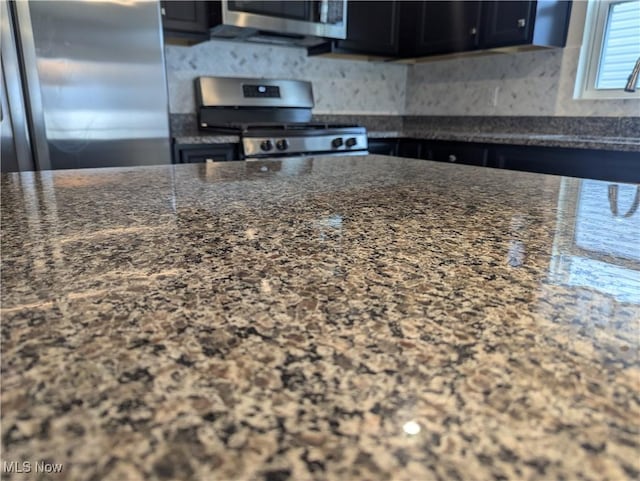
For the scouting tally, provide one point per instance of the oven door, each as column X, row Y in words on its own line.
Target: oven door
column 318, row 18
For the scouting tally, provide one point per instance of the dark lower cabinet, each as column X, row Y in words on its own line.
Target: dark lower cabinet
column 585, row 163
column 195, row 153
column 591, row 164
column 411, row 148
column 383, row 147
column 455, row 152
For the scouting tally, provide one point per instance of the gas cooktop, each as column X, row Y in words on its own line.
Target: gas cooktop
column 272, row 118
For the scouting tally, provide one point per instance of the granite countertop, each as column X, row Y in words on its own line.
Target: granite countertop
column 323, row 318
column 206, row 139
column 628, row 144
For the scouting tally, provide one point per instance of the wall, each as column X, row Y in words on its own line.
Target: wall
column 536, row 83
column 339, row 86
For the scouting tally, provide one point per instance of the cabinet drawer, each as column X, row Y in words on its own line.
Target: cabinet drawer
column 195, row 153
column 456, row 153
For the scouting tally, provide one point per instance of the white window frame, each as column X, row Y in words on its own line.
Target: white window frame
column 594, row 26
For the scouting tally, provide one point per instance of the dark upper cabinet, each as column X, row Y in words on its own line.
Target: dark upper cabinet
column 372, row 28
column 430, row 28
column 188, row 20
column 406, row 29
column 511, row 23
column 507, row 23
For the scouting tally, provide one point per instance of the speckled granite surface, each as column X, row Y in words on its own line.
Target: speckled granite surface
column 326, row 318
column 600, row 133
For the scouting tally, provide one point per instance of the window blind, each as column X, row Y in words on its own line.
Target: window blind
column 620, row 45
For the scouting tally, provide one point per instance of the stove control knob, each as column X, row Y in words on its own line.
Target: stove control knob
column 351, row 142
column 266, row 145
column 337, row 142
column 282, row 144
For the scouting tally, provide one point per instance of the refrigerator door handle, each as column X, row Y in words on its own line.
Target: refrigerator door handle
column 31, row 85
column 14, row 111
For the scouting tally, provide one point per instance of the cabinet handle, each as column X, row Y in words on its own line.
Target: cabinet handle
column 163, row 11
column 452, row 158
column 522, row 22
column 473, row 31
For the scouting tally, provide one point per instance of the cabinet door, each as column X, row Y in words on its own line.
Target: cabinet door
column 372, row 27
column 456, row 152
column 382, row 146
column 589, row 164
column 410, row 148
column 506, row 23
column 188, row 154
column 186, row 17
column 440, row 27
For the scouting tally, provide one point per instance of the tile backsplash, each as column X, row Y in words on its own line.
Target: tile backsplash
column 538, row 83
column 339, row 86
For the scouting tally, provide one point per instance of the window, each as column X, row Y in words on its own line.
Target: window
column 610, row 49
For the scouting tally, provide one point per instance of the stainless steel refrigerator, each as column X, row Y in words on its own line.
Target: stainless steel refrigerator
column 83, row 85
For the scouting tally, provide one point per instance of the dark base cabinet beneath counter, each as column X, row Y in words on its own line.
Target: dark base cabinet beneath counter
column 194, row 153
column 384, row 147
column 585, row 163
column 589, row 164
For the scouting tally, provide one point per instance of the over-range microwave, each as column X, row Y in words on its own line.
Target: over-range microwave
column 296, row 19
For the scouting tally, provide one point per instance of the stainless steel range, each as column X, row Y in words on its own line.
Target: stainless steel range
column 272, row 118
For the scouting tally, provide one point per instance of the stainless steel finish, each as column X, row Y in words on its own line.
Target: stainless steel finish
column 286, row 25
column 227, row 92
column 308, row 155
column 323, row 142
column 272, row 118
column 31, row 86
column 324, row 11
column 632, row 81
column 15, row 141
column 95, row 82
column 7, row 145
